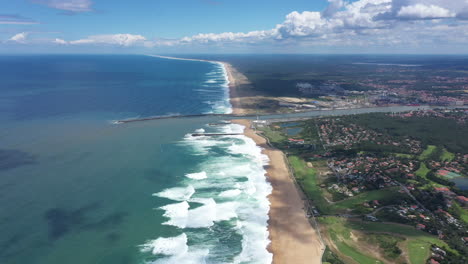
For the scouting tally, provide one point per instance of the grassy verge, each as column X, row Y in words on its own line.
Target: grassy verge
column 307, row 178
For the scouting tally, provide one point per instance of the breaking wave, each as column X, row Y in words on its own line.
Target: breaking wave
column 227, row 197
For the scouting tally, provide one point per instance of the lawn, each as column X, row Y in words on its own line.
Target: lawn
column 353, row 253
column 358, row 200
column 417, row 244
column 339, row 233
column 447, row 156
column 274, row 136
column 418, row 251
column 307, row 178
column 423, row 170
column 427, row 152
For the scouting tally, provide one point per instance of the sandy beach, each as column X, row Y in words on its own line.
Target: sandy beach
column 235, row 80
column 293, row 239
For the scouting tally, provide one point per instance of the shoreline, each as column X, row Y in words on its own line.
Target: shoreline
column 230, row 72
column 293, row 239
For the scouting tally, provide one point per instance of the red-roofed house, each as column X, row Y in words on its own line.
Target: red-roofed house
column 442, row 189
column 463, row 200
column 298, row 141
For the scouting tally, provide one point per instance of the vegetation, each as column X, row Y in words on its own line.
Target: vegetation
column 307, row 178
column 341, row 235
column 387, row 243
column 371, row 161
column 423, row 170
column 427, row 152
column 431, row 131
column 331, row 258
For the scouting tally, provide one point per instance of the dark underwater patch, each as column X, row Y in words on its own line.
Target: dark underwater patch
column 62, row 221
column 12, row 158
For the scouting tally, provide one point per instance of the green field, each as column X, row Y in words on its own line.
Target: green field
column 307, row 178
column 418, row 251
column 339, row 233
column 447, row 156
column 423, row 170
column 427, row 152
column 274, row 136
column 358, row 200
column 417, row 245
column 353, row 253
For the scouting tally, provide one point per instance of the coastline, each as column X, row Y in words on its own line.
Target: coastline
column 233, row 80
column 293, row 239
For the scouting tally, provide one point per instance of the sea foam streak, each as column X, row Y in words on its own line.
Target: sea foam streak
column 214, row 77
column 228, row 196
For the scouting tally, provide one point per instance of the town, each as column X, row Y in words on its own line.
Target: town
column 381, row 168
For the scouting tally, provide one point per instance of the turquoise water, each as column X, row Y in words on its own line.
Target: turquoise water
column 75, row 188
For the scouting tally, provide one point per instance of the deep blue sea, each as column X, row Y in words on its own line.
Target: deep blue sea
column 77, row 188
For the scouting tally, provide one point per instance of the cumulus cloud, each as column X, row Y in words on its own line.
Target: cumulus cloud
column 344, row 21
column 420, row 11
column 362, row 23
column 75, row 6
column 425, row 9
column 19, row 38
column 333, row 7
column 9, row 19
column 125, row 40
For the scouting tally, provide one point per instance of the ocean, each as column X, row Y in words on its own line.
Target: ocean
column 77, row 188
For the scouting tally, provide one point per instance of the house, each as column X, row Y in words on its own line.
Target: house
column 462, row 200
column 441, row 189
column 420, row 226
column 296, row 141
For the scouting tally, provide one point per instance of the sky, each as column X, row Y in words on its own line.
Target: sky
column 234, row 26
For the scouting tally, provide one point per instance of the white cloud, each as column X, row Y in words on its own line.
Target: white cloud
column 68, row 5
column 362, row 23
column 347, row 22
column 420, row 11
column 60, row 41
column 333, row 7
column 19, row 38
column 8, row 19
column 115, row 39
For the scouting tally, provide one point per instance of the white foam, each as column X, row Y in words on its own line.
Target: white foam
column 203, row 216
column 177, row 193
column 176, row 251
column 223, row 106
column 197, row 176
column 166, row 246
column 177, row 214
column 230, row 193
column 191, row 257
column 235, row 191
